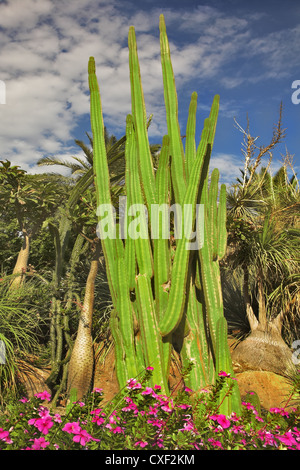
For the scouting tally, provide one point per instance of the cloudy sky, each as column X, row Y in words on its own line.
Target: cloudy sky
column 248, row 52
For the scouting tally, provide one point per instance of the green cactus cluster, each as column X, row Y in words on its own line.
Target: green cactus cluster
column 165, row 294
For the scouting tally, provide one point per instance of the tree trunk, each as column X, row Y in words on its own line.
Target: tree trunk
column 247, row 300
column 246, row 294
column 80, row 371
column 21, row 263
column 262, row 311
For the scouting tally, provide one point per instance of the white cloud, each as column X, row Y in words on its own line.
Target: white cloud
column 228, row 165
column 23, row 13
column 45, row 47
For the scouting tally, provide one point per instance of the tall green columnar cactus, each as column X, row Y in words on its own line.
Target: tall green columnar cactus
column 165, row 289
column 230, row 399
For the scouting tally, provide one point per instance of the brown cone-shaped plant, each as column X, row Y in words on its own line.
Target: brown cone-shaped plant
column 80, row 371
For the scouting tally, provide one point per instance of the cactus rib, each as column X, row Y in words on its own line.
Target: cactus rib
column 176, row 147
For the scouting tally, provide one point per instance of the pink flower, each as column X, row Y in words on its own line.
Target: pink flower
column 44, row 412
column 215, row 443
column 223, row 374
column 112, row 418
column 130, row 407
column 167, row 405
column 236, row 429
column 141, row 443
column 82, row 437
column 39, row 443
column 97, row 411
column 44, row 424
column 249, row 406
column 188, row 426
column 98, row 420
column 159, row 443
column 149, row 368
column 184, row 406
column 72, row 428
column 32, row 421
column 156, row 422
column 117, row 429
column 24, row 400
column 4, row 436
column 267, row 438
column 234, row 417
column 97, row 390
column 147, row 391
column 45, row 396
column 223, row 421
column 166, row 408
column 133, row 384
column 288, row 439
column 57, row 418
column 186, row 389
column 157, row 387
column 153, row 410
column 258, row 418
column 280, row 411
column 128, row 400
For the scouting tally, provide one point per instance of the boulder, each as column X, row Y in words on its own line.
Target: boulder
column 272, row 389
column 262, row 351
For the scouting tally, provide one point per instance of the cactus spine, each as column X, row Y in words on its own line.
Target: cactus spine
column 161, row 289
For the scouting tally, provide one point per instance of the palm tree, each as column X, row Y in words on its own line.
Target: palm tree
column 79, row 166
column 115, row 149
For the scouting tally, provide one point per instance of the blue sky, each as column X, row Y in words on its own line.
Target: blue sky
column 247, row 52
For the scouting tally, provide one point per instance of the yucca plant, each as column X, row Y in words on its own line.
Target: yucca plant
column 21, row 329
column 164, row 288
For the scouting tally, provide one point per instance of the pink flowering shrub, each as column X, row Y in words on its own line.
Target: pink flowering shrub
column 142, row 418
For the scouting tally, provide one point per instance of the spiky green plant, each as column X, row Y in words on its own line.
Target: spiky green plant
column 164, row 292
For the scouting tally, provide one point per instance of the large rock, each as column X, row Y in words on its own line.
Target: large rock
column 263, row 349
column 105, row 374
column 272, row 389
